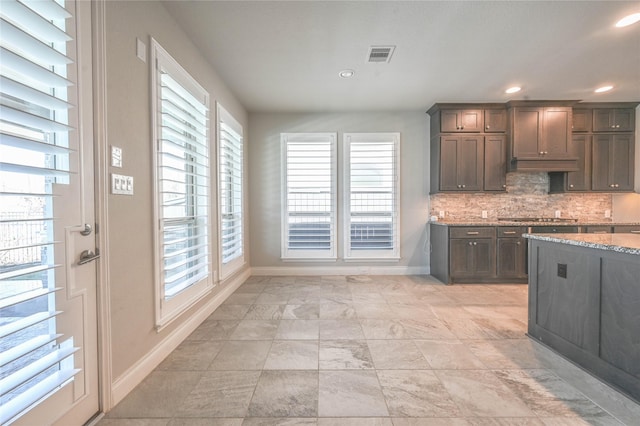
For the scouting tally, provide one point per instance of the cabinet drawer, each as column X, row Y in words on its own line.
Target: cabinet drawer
column 633, row 229
column 472, row 232
column 597, row 229
column 511, row 231
column 554, row 229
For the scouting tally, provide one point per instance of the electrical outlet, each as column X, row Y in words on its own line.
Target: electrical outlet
column 558, row 213
column 484, row 214
column 607, row 213
column 441, row 214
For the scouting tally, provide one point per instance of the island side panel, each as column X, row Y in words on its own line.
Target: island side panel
column 440, row 252
column 620, row 314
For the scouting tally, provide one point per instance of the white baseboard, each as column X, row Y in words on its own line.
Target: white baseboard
column 339, row 270
column 141, row 369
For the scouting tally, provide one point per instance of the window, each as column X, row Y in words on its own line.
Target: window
column 36, row 72
column 230, row 193
column 371, row 191
column 181, row 156
column 309, row 195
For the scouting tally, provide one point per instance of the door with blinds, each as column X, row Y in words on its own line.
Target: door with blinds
column 48, row 326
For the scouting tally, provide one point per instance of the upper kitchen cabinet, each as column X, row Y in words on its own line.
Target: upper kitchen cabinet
column 540, row 136
column 614, row 119
column 612, row 168
column 581, row 120
column 463, row 159
column 495, row 120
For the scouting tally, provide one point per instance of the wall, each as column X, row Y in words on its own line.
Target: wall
column 526, row 196
column 265, row 187
column 130, row 228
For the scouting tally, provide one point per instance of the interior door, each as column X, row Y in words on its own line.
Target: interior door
column 48, row 323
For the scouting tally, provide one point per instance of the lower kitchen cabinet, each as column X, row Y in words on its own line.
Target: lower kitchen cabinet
column 629, row 229
column 472, row 258
column 511, row 253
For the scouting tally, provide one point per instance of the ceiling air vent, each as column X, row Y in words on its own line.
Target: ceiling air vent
column 380, row 53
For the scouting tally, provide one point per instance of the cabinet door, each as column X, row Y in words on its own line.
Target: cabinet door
column 470, row 165
column 450, row 121
column 484, row 251
column 614, row 120
column 471, row 120
column 622, row 161
column 581, row 120
column 556, row 136
column 495, row 163
column 613, row 160
column 628, row 229
column 511, row 257
column 527, row 131
column 495, row 120
column 449, row 163
column 581, row 148
column 461, row 262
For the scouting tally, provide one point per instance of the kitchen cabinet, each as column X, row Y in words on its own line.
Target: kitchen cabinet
column 555, row 229
column 495, row 120
column 469, row 159
column 600, row 229
column 612, row 162
column 614, row 119
column 581, row 120
column 540, row 137
column 511, row 252
column 472, row 253
column 495, row 163
column 461, row 120
column 579, row 180
column 461, row 163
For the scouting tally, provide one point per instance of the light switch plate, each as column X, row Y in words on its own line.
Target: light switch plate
column 116, row 156
column 121, row 185
column 141, row 50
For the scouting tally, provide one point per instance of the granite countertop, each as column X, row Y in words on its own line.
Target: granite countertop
column 494, row 222
column 623, row 243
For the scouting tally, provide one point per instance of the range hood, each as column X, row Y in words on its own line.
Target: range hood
column 568, row 164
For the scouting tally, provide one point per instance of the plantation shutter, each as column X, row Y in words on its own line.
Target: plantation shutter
column 34, row 155
column 371, row 195
column 231, row 192
column 310, row 191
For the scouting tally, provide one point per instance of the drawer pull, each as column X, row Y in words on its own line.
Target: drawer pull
column 472, row 232
column 635, row 232
column 509, row 232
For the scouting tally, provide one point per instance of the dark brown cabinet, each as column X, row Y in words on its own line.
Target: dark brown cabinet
column 540, row 137
column 581, row 120
column 600, row 229
column 612, row 162
column 629, row 229
column 495, row 120
column 461, row 163
column 495, row 163
column 580, row 180
column 472, row 253
column 614, row 119
column 511, row 253
column 461, row 120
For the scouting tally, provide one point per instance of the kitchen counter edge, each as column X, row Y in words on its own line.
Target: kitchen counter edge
column 621, row 243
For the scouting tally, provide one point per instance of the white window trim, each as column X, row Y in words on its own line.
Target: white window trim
column 236, row 264
column 314, row 255
column 167, row 310
column 359, row 255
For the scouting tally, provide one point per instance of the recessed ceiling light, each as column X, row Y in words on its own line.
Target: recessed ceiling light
column 603, row 89
column 628, row 20
column 513, row 89
column 346, row 73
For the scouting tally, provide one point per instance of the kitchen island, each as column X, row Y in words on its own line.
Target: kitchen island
column 584, row 302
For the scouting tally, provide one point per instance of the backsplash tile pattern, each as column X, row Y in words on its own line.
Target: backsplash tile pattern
column 527, row 196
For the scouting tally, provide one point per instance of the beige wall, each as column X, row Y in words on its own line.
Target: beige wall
column 130, row 251
column 265, row 183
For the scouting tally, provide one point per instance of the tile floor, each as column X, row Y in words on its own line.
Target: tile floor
column 363, row 350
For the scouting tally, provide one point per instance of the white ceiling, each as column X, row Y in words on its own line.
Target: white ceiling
column 284, row 56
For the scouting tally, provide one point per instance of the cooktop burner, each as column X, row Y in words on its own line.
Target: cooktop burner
column 537, row 219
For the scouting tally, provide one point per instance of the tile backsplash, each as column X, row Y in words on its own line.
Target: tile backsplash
column 527, row 196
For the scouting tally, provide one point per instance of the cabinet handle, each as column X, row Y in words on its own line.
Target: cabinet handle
column 635, row 232
column 599, row 232
column 617, row 186
column 571, row 186
column 464, row 186
column 475, row 244
column 509, row 232
column 617, row 126
column 611, row 186
column 504, row 186
column 470, row 243
column 518, row 243
column 472, row 232
column 541, row 153
column 488, row 127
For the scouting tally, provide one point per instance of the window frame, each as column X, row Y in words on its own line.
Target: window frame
column 167, row 309
column 374, row 254
column 309, row 254
column 238, row 262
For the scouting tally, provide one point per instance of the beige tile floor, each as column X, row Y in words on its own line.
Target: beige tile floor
column 364, row 350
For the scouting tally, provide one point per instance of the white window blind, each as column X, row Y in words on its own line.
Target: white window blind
column 35, row 359
column 182, row 183
column 230, row 156
column 371, row 195
column 309, row 192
